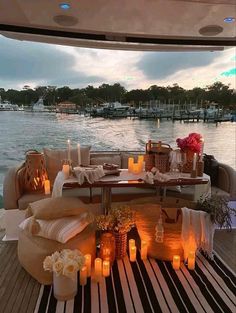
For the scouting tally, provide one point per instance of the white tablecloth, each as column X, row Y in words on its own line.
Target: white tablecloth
column 201, row 190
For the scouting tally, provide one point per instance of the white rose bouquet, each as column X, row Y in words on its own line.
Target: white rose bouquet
column 67, row 262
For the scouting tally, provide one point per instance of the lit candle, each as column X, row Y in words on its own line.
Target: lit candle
column 132, row 256
column 130, row 164
column 98, row 269
column 47, row 187
column 79, row 154
column 131, row 244
column 194, row 161
column 136, row 168
column 68, row 150
column 191, row 260
column 140, row 162
column 83, row 275
column 88, row 264
column 66, row 170
column 176, row 262
column 106, row 268
column 144, row 250
column 202, row 148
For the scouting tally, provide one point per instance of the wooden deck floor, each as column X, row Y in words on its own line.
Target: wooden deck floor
column 19, row 291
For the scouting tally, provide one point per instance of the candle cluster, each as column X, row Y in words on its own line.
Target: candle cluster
column 136, row 168
column 133, row 250
column 191, row 261
column 101, row 268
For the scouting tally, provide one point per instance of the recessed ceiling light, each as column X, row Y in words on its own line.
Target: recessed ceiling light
column 64, row 6
column 65, row 20
column 229, row 19
column 211, row 30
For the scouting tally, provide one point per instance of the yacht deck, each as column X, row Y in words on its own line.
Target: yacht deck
column 19, row 291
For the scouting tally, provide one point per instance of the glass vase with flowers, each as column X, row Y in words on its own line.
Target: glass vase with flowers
column 190, row 145
column 64, row 265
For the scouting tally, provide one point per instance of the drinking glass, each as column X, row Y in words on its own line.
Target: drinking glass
column 183, row 161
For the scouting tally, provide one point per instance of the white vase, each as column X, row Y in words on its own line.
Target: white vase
column 64, row 288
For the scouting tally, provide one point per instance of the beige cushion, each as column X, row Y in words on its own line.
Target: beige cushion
column 53, row 208
column 27, row 198
column 146, row 217
column 32, row 250
column 111, row 159
column 61, row 230
column 54, row 159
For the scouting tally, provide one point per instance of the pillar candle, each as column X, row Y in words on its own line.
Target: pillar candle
column 66, row 170
column 144, row 250
column 130, row 164
column 132, row 256
column 194, row 161
column 131, row 244
column 79, row 154
column 88, row 264
column 98, row 269
column 47, row 187
column 140, row 162
column 106, row 268
column 83, row 275
column 136, row 168
column 176, row 262
column 202, row 149
column 68, row 150
column 191, row 260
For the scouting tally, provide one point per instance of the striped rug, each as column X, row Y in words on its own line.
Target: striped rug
column 152, row 286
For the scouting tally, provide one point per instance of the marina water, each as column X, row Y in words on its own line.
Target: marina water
column 21, row 131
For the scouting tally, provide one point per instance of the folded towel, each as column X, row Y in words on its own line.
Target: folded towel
column 197, row 231
column 89, row 174
column 58, row 185
column 82, row 174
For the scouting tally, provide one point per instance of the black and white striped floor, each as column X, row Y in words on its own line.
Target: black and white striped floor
column 152, row 286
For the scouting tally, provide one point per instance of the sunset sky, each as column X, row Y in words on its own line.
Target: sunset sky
column 36, row 64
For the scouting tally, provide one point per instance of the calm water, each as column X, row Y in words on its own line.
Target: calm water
column 21, row 131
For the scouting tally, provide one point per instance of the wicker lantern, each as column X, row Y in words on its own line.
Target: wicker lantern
column 35, row 171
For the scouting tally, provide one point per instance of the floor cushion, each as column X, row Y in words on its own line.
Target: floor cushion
column 32, row 251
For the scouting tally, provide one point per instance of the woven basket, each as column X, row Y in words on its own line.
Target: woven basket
column 121, row 244
column 149, row 161
column 35, row 172
column 162, row 162
column 157, row 154
column 147, row 216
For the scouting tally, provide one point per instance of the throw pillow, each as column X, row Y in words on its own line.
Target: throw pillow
column 61, row 230
column 54, row 159
column 53, row 208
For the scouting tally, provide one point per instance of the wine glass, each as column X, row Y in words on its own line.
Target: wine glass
column 183, row 161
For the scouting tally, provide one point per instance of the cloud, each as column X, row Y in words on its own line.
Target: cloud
column 22, row 62
column 35, row 64
column 161, row 65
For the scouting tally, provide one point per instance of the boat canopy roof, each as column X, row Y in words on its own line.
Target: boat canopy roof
column 155, row 25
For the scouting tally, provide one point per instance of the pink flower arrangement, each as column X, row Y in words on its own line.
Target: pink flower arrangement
column 192, row 142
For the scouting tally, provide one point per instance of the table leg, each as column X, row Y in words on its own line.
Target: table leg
column 106, row 199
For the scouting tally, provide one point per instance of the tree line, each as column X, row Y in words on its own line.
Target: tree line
column 217, row 92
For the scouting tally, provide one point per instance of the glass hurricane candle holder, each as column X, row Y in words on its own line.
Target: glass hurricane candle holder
column 107, row 247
